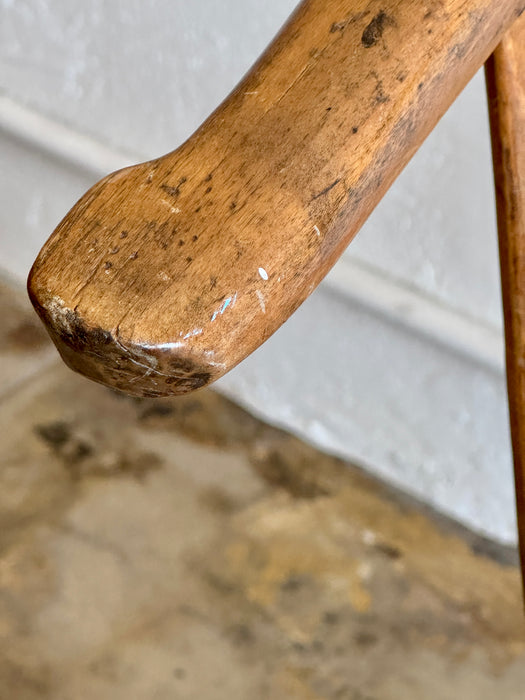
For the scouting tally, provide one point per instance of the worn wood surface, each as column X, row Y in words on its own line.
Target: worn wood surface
column 166, row 275
column 506, row 88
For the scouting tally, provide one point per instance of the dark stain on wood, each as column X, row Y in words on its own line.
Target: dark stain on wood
column 374, row 31
column 380, row 96
column 174, row 191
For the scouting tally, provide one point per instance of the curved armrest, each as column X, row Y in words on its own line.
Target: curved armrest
column 166, row 275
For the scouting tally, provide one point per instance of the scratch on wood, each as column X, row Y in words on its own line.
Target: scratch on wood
column 326, row 189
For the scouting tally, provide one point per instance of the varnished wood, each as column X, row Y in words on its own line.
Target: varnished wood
column 167, row 274
column 506, row 89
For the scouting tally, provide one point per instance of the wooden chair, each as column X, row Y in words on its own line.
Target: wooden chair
column 167, row 274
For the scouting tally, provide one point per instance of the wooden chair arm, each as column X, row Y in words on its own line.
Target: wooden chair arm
column 167, row 274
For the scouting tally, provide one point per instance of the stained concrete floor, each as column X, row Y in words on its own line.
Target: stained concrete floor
column 177, row 550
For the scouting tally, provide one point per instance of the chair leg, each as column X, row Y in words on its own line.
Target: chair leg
column 505, row 74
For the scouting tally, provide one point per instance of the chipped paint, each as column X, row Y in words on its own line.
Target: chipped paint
column 59, row 312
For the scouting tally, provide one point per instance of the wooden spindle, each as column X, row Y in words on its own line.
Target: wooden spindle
column 505, row 71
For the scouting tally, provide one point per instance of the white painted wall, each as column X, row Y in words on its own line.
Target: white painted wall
column 397, row 360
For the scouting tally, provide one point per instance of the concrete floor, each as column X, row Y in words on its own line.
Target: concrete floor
column 184, row 550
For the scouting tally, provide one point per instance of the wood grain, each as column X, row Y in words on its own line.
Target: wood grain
column 166, row 275
column 505, row 73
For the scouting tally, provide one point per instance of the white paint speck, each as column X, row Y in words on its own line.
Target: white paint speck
column 164, row 277
column 316, row 229
column 230, row 301
column 174, row 210
column 191, row 334
column 263, row 273
column 261, row 300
